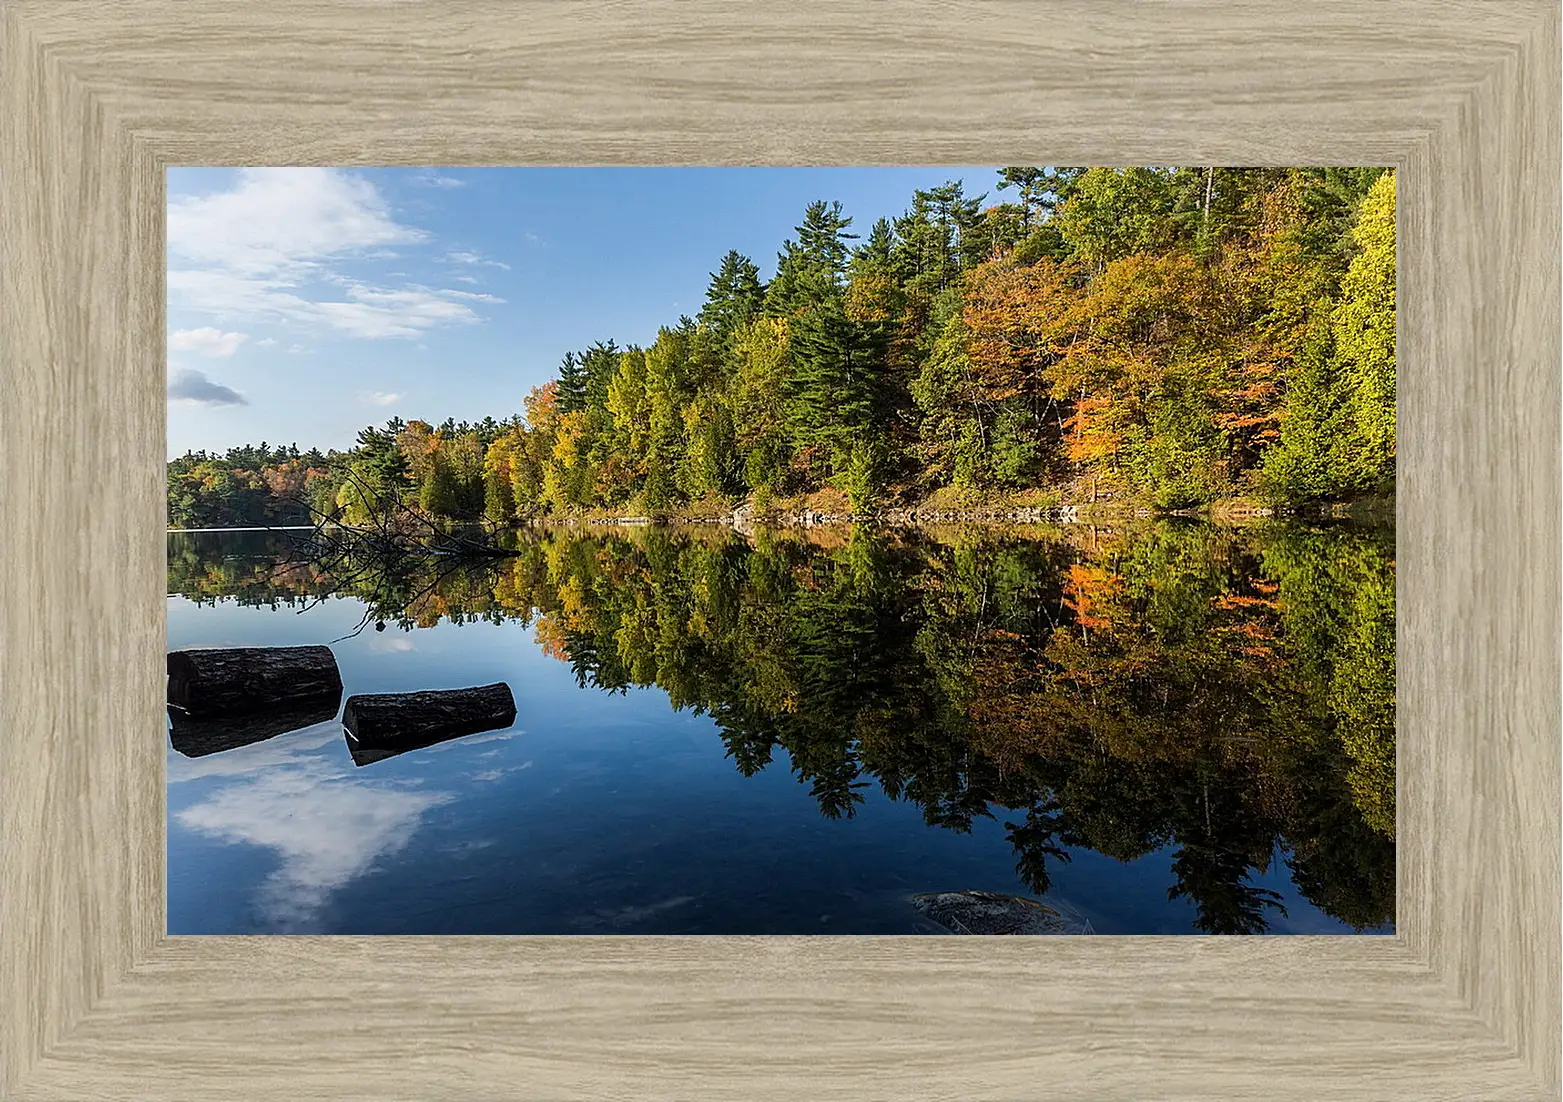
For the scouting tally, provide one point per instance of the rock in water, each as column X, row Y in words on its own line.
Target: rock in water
column 381, row 725
column 973, row 912
column 235, row 680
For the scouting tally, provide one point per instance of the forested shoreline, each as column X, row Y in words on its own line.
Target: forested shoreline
column 1164, row 338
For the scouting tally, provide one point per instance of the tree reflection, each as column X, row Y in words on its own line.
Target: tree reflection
column 1228, row 693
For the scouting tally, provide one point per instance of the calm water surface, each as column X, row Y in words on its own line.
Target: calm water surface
column 1175, row 729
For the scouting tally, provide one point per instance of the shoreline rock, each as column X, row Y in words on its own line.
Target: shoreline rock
column 746, row 519
column 987, row 913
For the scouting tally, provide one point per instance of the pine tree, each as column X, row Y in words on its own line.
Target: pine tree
column 836, row 382
column 599, row 361
column 822, row 242
column 877, row 253
column 930, row 236
column 784, row 295
column 1329, row 200
column 380, row 459
column 1041, row 190
column 572, row 384
column 733, row 298
column 1301, row 466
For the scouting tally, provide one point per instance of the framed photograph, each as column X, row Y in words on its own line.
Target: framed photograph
column 1021, row 562
column 670, row 511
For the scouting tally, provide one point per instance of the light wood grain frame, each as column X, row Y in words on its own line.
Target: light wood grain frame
column 97, row 99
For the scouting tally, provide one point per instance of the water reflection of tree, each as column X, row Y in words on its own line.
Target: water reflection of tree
column 1227, row 694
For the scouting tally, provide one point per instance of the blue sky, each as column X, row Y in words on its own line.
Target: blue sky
column 305, row 303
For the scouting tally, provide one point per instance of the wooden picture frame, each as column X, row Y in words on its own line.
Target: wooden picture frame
column 96, row 100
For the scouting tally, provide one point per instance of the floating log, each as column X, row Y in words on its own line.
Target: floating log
column 232, row 680
column 381, row 725
column 972, row 912
column 197, row 736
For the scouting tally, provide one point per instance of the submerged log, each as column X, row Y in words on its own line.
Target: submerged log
column 197, row 736
column 226, row 681
column 381, row 725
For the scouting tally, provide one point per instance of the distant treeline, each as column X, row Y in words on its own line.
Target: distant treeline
column 1170, row 336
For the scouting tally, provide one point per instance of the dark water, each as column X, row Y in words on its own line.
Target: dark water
column 1174, row 729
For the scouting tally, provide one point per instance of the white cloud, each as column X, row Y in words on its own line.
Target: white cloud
column 465, row 279
column 194, row 388
column 257, row 251
column 266, row 343
column 466, row 256
column 229, row 296
column 281, row 220
column 375, row 313
column 206, row 341
column 473, row 295
column 364, row 311
column 437, row 180
column 384, row 398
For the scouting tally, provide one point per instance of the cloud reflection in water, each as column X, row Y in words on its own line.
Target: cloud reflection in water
column 329, row 828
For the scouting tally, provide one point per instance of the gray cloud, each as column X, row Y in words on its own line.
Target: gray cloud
column 194, row 387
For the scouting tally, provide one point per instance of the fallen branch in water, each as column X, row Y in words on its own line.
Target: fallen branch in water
column 390, row 561
column 394, row 528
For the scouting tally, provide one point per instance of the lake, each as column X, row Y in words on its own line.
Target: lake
column 1157, row 727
